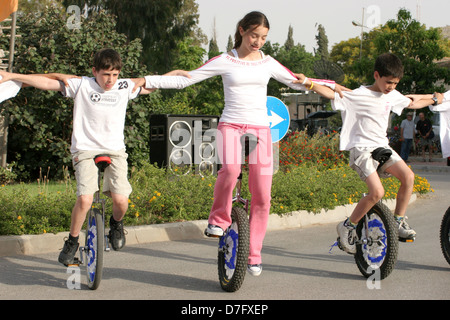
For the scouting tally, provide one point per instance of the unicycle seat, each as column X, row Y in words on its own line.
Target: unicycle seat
column 381, row 155
column 102, row 161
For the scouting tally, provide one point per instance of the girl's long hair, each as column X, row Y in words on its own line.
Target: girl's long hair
column 251, row 20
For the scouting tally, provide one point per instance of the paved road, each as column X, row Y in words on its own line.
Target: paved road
column 297, row 265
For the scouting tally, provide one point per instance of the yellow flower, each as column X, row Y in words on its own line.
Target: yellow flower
column 19, row 218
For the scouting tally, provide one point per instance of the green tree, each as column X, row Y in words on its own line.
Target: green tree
column 289, row 44
column 40, row 121
column 418, row 48
column 322, row 44
column 230, row 43
column 159, row 24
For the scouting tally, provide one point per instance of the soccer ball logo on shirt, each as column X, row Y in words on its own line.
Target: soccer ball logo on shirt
column 106, row 98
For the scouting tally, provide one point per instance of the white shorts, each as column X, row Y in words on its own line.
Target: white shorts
column 364, row 164
column 115, row 178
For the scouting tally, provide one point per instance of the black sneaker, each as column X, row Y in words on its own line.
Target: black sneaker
column 116, row 234
column 67, row 254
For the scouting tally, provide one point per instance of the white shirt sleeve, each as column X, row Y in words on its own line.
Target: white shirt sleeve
column 210, row 69
column 9, row 89
column 71, row 90
column 447, row 96
column 399, row 102
column 338, row 103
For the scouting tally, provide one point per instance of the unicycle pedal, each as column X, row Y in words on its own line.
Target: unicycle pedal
column 210, row 235
column 76, row 263
column 410, row 239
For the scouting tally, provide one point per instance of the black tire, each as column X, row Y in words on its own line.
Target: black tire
column 95, row 242
column 234, row 251
column 445, row 235
column 380, row 253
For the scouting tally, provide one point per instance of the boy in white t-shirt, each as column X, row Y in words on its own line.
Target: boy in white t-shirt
column 365, row 114
column 98, row 128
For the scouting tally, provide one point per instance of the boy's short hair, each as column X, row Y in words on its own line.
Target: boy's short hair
column 389, row 64
column 107, row 59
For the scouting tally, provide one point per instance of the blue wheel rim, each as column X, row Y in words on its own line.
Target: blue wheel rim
column 91, row 243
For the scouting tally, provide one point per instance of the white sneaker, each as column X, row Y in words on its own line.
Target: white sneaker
column 254, row 269
column 213, row 231
column 347, row 237
column 404, row 230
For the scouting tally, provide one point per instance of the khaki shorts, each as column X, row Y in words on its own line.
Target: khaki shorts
column 362, row 162
column 115, row 178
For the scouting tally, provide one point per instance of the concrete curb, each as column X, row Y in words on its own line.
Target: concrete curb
column 45, row 243
column 425, row 168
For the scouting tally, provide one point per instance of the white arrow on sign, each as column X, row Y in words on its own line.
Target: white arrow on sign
column 274, row 119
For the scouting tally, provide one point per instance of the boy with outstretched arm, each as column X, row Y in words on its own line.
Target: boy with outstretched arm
column 365, row 114
column 100, row 104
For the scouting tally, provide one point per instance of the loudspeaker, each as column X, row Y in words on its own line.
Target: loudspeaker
column 184, row 143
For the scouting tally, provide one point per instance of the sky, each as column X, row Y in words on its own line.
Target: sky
column 303, row 16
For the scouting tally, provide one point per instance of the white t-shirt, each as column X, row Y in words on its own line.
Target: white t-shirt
column 444, row 115
column 365, row 116
column 244, row 82
column 409, row 128
column 9, row 89
column 99, row 115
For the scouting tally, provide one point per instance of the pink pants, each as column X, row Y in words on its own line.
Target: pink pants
column 260, row 181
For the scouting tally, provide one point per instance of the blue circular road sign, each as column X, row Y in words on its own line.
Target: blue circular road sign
column 279, row 118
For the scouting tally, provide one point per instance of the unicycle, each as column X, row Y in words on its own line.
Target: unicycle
column 445, row 235
column 377, row 235
column 91, row 255
column 234, row 244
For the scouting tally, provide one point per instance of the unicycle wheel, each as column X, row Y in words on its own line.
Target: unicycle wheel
column 377, row 248
column 445, row 235
column 234, row 251
column 95, row 242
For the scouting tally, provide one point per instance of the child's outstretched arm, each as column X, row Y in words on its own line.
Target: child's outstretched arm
column 324, row 91
column 140, row 82
column 37, row 81
column 420, row 101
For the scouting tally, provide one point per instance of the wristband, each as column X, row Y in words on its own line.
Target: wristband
column 304, row 81
column 312, row 85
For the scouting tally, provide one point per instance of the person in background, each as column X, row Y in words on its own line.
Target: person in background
column 407, row 133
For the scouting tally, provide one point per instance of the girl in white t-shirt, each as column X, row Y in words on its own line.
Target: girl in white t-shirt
column 245, row 72
column 365, row 114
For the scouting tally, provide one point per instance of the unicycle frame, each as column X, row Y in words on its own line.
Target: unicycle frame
column 91, row 254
